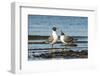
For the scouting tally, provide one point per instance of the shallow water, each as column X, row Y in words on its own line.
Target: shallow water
column 81, row 43
column 45, row 48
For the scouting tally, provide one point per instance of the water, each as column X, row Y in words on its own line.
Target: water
column 71, row 25
column 82, row 44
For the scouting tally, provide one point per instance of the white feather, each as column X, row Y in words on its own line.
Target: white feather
column 62, row 39
column 54, row 34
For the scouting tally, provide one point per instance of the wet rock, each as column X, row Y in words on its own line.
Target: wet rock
column 62, row 54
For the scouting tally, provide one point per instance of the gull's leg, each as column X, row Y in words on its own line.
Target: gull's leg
column 52, row 45
column 65, row 46
column 52, row 52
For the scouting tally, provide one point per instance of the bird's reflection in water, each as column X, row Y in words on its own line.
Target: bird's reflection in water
column 53, row 50
column 66, row 46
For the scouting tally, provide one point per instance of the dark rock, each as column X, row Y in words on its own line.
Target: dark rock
column 47, row 55
column 72, row 45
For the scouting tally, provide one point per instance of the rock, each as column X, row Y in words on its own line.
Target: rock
column 72, row 45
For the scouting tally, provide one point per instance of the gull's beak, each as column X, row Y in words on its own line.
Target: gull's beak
column 57, row 28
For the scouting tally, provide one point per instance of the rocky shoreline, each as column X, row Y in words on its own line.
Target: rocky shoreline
column 66, row 54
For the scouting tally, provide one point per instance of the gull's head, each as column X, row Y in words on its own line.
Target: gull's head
column 54, row 28
column 62, row 33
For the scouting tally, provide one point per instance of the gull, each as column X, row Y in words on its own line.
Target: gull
column 53, row 38
column 67, row 40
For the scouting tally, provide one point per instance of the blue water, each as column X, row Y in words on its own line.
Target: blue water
column 70, row 25
column 36, row 48
column 80, row 46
